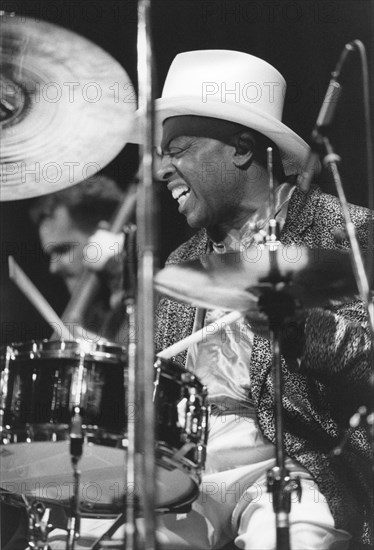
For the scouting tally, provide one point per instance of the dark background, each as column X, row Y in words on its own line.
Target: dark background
column 302, row 39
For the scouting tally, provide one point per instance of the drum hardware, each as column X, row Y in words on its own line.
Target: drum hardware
column 4, row 381
column 130, row 287
column 181, row 421
column 76, row 449
column 147, row 260
column 277, row 305
column 47, row 380
column 39, row 524
column 105, row 540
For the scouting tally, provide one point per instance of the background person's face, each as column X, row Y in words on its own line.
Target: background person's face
column 64, row 243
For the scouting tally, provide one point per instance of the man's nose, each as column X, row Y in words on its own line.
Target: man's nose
column 54, row 266
column 165, row 168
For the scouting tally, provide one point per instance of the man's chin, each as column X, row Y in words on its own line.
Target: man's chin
column 196, row 222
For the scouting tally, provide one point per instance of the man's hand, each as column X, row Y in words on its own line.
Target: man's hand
column 101, row 247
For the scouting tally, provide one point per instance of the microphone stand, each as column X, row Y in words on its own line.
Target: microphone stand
column 322, row 144
column 278, row 305
column 331, row 160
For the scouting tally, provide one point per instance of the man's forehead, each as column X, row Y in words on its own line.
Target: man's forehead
column 198, row 126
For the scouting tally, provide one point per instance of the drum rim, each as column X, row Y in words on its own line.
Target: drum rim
column 64, row 349
column 175, row 371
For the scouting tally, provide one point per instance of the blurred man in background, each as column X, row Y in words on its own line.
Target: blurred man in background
column 72, row 232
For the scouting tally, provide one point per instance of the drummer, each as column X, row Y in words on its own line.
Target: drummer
column 72, row 228
column 219, row 112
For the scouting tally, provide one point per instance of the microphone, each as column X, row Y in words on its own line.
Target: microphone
column 334, row 90
column 325, row 117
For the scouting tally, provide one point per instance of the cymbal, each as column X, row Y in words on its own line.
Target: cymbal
column 236, row 280
column 66, row 108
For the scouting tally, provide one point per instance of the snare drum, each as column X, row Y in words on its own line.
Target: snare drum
column 39, row 382
column 42, row 380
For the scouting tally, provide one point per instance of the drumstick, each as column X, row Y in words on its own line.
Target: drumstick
column 19, row 277
column 199, row 335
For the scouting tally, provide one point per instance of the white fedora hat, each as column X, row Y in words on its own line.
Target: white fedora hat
column 233, row 86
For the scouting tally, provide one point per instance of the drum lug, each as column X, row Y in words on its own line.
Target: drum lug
column 205, row 410
column 201, row 456
column 5, row 433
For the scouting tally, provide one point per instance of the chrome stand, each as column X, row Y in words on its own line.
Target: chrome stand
column 145, row 216
column 278, row 305
column 76, row 449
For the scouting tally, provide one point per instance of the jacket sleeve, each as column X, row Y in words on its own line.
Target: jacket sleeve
column 337, row 342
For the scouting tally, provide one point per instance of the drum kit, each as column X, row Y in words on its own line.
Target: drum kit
column 54, row 84
column 61, row 395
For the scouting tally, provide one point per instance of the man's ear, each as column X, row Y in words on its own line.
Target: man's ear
column 244, row 149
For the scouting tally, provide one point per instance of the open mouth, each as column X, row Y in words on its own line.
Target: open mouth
column 181, row 194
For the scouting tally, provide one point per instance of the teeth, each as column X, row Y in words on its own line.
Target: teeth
column 182, row 199
column 178, row 191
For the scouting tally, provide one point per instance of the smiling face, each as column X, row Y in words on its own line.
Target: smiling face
column 208, row 180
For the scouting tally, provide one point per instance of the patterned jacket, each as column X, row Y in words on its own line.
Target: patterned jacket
column 333, row 377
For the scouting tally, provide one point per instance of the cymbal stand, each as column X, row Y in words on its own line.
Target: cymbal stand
column 278, row 305
column 146, row 218
column 76, row 449
column 129, row 278
column 128, row 516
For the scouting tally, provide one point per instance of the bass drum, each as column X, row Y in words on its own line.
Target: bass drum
column 40, row 385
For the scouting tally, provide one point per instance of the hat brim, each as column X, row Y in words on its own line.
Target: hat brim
column 293, row 149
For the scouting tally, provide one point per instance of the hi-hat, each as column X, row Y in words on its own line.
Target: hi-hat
column 236, row 280
column 66, row 108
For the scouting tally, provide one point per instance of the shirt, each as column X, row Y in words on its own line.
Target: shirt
column 221, row 361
